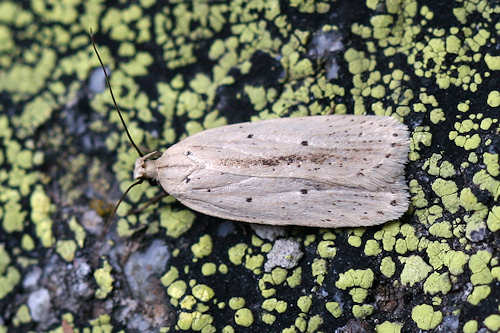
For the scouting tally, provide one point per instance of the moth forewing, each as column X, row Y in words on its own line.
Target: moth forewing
column 325, row 171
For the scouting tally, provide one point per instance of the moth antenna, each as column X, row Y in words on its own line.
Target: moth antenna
column 112, row 95
column 110, row 218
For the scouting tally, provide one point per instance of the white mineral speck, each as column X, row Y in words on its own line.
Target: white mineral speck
column 285, row 253
column 39, row 304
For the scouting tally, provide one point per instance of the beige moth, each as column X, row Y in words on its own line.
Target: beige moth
column 322, row 171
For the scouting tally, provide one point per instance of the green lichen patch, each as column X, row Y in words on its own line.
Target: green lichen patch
column 176, row 290
column 22, row 316
column 351, row 278
column 196, row 321
column 9, row 275
column 479, row 293
column 389, row 327
column 415, row 270
column 437, row 282
column 104, row 280
column 362, row 311
column 203, row 292
column 492, row 322
column 203, row 248
column 176, row 223
column 237, row 252
column 243, row 317
column 425, row 317
column 387, row 267
column 334, row 308
column 326, row 249
column 66, row 249
column 493, row 220
column 478, row 264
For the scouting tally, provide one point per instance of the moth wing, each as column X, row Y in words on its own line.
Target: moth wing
column 326, row 171
column 282, row 201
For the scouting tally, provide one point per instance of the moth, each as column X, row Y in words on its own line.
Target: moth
column 320, row 171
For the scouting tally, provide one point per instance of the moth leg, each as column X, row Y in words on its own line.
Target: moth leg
column 148, row 203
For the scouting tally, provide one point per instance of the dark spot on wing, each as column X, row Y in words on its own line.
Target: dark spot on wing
column 316, row 158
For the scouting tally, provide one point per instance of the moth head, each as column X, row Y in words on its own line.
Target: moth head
column 145, row 166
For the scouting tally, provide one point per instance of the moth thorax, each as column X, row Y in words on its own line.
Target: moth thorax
column 145, row 168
